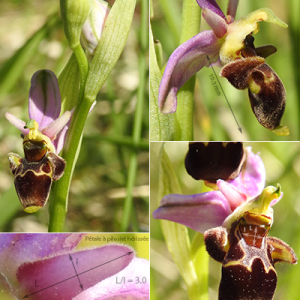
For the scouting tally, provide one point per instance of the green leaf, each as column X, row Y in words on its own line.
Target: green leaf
column 176, row 235
column 9, row 206
column 14, row 67
column 172, row 15
column 68, row 82
column 200, row 257
column 111, row 45
column 162, row 127
column 158, row 53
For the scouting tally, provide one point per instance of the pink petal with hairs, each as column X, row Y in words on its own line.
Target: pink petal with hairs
column 199, row 212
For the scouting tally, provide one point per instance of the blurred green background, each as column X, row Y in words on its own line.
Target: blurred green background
column 282, row 163
column 213, row 119
column 98, row 187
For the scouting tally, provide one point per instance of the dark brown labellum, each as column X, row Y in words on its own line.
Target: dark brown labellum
column 34, row 174
column 238, row 71
column 268, row 103
column 214, row 160
column 266, row 91
column 248, row 257
column 240, row 283
column 33, row 184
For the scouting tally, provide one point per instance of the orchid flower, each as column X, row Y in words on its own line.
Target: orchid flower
column 235, row 218
column 210, row 209
column 246, row 251
column 44, row 105
column 48, row 266
column 44, row 136
column 229, row 44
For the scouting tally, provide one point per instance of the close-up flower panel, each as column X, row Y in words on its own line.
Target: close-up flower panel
column 237, row 219
column 74, row 266
column 245, row 42
column 74, row 122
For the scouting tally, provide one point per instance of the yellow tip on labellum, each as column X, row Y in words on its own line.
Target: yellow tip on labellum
column 32, row 209
column 281, row 130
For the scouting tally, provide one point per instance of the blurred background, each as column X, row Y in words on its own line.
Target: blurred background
column 32, row 38
column 282, row 164
column 213, row 119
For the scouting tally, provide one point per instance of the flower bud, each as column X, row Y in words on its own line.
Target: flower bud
column 74, row 13
column 93, row 26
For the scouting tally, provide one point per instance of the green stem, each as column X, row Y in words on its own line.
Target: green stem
column 83, row 69
column 191, row 16
column 138, row 118
column 172, row 15
column 59, row 203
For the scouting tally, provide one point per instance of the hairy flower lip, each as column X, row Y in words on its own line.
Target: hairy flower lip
column 238, row 71
column 265, row 89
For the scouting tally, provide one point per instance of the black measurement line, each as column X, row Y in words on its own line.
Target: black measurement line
column 71, row 259
column 27, row 296
column 239, row 127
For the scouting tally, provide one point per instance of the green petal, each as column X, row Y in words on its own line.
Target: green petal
column 239, row 29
